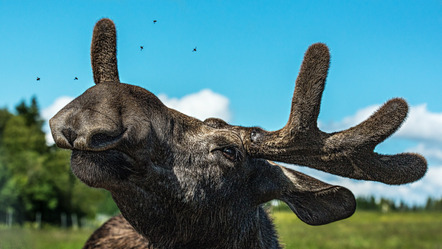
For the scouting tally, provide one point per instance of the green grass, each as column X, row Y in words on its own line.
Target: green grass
column 362, row 230
column 49, row 238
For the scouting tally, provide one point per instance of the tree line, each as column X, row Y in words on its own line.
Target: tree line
column 36, row 183
column 370, row 203
column 385, row 205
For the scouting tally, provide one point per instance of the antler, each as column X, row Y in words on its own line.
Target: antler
column 104, row 52
column 346, row 153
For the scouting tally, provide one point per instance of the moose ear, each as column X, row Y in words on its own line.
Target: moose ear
column 313, row 201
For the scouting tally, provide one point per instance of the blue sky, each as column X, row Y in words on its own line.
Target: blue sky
column 248, row 56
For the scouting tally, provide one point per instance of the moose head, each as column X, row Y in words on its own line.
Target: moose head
column 182, row 182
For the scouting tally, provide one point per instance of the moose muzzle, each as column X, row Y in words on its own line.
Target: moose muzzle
column 80, row 129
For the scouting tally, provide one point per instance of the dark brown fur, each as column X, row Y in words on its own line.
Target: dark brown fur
column 116, row 233
column 185, row 183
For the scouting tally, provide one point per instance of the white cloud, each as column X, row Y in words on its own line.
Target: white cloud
column 421, row 124
column 428, row 150
column 48, row 112
column 59, row 103
column 203, row 104
column 413, row 193
column 349, row 121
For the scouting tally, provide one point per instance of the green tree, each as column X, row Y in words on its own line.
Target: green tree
column 25, row 129
column 24, row 155
column 433, row 204
column 31, row 113
column 8, row 193
column 36, row 178
column 5, row 115
column 367, row 203
column 73, row 195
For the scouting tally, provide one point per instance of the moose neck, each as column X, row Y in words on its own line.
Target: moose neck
column 168, row 225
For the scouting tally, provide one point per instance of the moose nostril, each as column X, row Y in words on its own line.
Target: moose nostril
column 70, row 135
column 103, row 139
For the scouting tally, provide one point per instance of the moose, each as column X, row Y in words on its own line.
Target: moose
column 180, row 182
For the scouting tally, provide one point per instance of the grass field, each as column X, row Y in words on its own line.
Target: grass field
column 21, row 238
column 362, row 230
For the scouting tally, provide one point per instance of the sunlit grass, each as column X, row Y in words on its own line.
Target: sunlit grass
column 52, row 238
column 363, row 230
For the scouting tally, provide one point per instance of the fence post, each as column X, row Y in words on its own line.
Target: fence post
column 10, row 217
column 63, row 220
column 74, row 219
column 38, row 219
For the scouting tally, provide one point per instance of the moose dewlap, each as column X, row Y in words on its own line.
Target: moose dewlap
column 184, row 183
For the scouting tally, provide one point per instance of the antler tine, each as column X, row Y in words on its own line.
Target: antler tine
column 306, row 101
column 310, row 84
column 365, row 136
column 347, row 153
column 104, row 52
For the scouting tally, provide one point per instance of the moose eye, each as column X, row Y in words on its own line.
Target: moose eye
column 231, row 153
